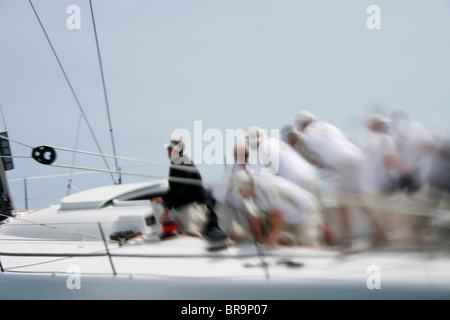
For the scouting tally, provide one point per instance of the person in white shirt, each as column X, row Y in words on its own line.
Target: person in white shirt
column 439, row 177
column 270, row 156
column 276, row 205
column 230, row 207
column 382, row 167
column 415, row 146
column 333, row 151
column 291, row 136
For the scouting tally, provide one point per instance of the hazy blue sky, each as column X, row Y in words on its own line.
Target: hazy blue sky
column 229, row 64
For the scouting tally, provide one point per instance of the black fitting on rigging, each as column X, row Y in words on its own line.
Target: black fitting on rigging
column 44, row 154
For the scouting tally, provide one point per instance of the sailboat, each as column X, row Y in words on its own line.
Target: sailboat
column 107, row 243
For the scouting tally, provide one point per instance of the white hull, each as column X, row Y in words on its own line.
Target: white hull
column 183, row 269
column 39, row 263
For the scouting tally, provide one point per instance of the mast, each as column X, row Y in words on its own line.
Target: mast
column 6, row 164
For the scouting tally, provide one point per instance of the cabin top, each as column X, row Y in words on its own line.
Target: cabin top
column 99, row 197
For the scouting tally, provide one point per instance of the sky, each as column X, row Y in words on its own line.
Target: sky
column 226, row 64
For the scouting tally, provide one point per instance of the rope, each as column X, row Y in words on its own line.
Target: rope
column 50, row 176
column 178, row 167
column 173, row 179
column 51, row 227
column 46, row 200
column 18, row 142
column 164, row 164
column 108, row 156
column 18, row 157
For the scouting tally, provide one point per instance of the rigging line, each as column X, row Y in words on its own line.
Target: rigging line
column 179, row 167
column 165, row 164
column 51, row 227
column 13, row 157
column 69, row 184
column 174, row 179
column 70, row 86
column 104, row 87
column 9, row 139
column 85, row 152
column 50, row 176
column 32, row 198
column 46, row 200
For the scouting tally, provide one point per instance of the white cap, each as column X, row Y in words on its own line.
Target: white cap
column 303, row 117
column 254, row 135
column 375, row 118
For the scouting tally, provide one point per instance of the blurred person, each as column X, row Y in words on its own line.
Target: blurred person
column 438, row 191
column 291, row 136
column 294, row 138
column 434, row 225
column 333, row 151
column 229, row 207
column 439, row 176
column 414, row 146
column 427, row 184
column 186, row 199
column 274, row 157
column 277, row 207
column 382, row 167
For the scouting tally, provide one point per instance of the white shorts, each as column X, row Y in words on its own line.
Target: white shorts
column 230, row 220
column 192, row 217
column 308, row 230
